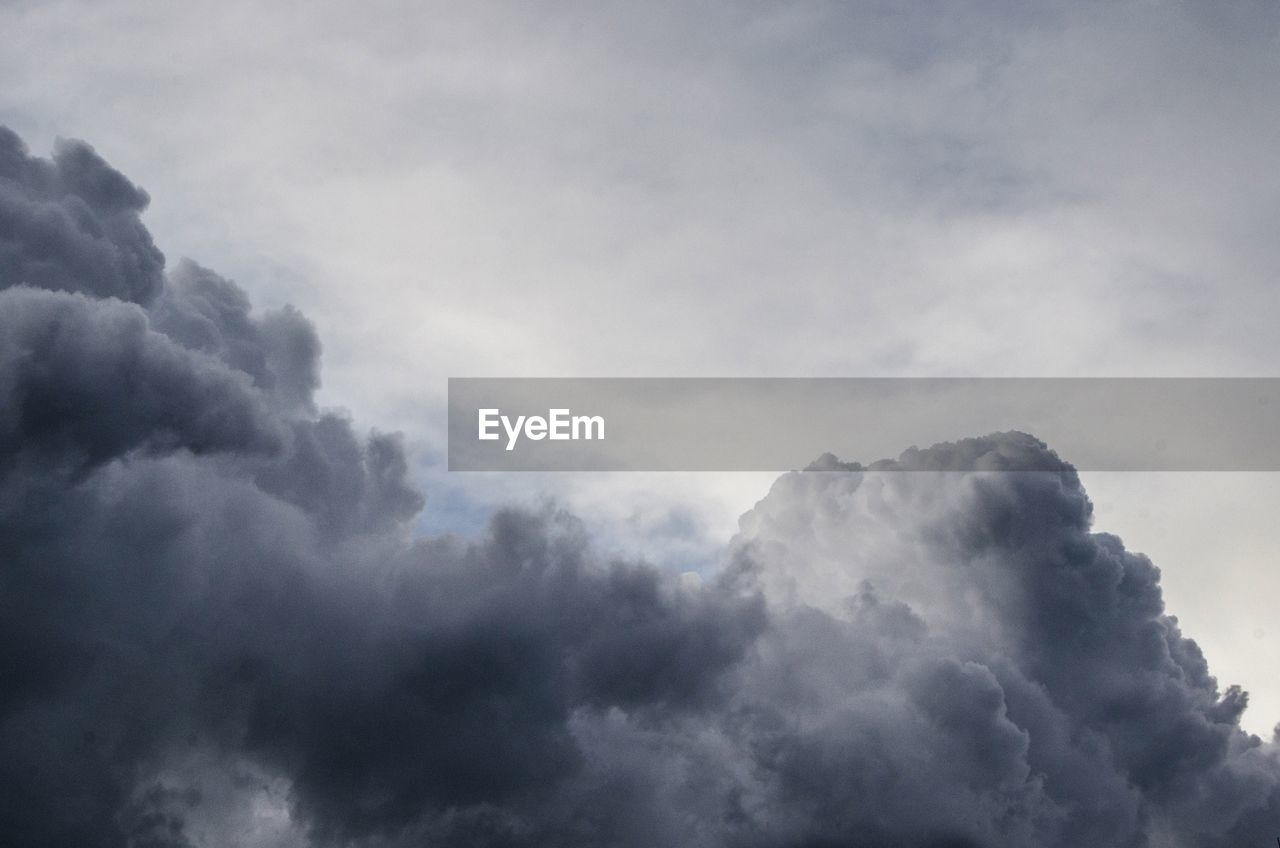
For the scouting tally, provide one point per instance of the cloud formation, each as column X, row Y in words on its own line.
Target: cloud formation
column 72, row 224
column 216, row 626
column 1005, row 646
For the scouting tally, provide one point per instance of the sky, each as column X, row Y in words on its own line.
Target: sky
column 709, row 189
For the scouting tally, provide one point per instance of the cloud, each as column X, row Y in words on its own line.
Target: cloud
column 1003, row 643
column 84, row 381
column 71, row 224
column 205, row 312
column 216, row 626
column 201, row 568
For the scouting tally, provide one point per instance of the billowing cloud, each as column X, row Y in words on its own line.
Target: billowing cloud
column 216, row 626
column 84, row 381
column 71, row 224
column 976, row 632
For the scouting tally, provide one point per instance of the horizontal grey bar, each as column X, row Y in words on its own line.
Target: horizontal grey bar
column 769, row 424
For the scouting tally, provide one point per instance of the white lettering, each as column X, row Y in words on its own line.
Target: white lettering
column 559, row 425
column 513, row 433
column 587, row 422
column 487, row 420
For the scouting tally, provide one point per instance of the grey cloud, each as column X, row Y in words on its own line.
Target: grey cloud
column 72, row 224
column 1066, row 701
column 346, row 483
column 206, row 312
column 221, row 629
column 228, row 578
column 83, row 381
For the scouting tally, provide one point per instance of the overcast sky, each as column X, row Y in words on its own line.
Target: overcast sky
column 721, row 188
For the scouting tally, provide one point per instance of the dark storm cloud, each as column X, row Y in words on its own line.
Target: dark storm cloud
column 83, row 381
column 213, row 613
column 1028, row 659
column 71, row 223
column 227, row 571
column 207, row 313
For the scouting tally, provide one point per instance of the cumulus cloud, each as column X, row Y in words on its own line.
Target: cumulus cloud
column 216, row 626
column 1003, row 643
column 205, row 312
column 85, row 381
column 72, row 224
